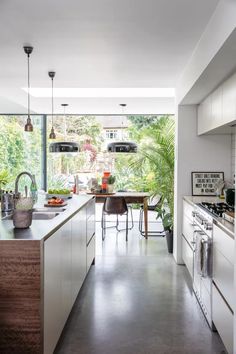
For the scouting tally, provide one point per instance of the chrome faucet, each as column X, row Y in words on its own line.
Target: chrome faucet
column 17, row 182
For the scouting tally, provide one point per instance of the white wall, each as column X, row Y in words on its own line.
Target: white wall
column 221, row 25
column 195, row 153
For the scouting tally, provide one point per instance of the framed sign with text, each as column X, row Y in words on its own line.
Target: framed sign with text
column 203, row 183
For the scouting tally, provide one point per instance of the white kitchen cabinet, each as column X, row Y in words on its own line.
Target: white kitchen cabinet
column 187, row 255
column 223, row 264
column 187, row 226
column 223, row 319
column 229, row 100
column 188, row 210
column 57, row 285
column 223, row 287
column 187, row 236
column 78, row 251
column 204, row 116
column 52, row 292
column 90, row 252
column 216, row 109
column 66, row 297
column 66, row 262
column 90, row 220
column 90, row 233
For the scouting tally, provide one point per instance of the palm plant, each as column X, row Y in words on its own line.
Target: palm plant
column 157, row 149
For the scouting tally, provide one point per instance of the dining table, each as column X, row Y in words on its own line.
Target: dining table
column 130, row 198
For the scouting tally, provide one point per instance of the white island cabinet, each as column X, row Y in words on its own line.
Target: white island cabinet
column 187, row 236
column 223, row 285
column 78, row 252
column 67, row 258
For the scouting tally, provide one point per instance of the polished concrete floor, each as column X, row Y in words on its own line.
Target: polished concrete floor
column 136, row 300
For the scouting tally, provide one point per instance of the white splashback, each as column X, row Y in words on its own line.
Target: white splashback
column 233, row 154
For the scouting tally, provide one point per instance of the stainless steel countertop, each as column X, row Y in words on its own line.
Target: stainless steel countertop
column 42, row 229
column 223, row 224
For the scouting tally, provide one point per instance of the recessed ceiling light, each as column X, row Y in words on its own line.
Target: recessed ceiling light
column 102, row 92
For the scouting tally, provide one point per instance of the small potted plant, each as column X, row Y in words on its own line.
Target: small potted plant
column 110, row 183
column 167, row 222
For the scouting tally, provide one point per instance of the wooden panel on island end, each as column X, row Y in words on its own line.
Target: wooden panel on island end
column 20, row 306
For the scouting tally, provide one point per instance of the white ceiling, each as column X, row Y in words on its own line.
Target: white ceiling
column 98, row 43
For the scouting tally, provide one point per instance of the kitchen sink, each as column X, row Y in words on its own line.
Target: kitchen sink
column 44, row 215
column 49, row 210
column 37, row 216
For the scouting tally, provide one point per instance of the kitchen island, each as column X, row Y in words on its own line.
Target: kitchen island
column 42, row 269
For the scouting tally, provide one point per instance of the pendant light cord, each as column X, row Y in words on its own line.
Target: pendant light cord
column 52, row 102
column 123, row 105
column 28, row 55
column 65, row 122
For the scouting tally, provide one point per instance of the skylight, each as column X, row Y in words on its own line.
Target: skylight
column 102, row 92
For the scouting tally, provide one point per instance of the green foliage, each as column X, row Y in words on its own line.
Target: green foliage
column 78, row 127
column 59, row 191
column 111, row 179
column 166, row 217
column 20, row 150
column 4, row 178
column 139, row 122
column 152, row 168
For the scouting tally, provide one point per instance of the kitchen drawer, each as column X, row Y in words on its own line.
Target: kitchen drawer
column 90, row 252
column 90, row 227
column 188, row 229
column 187, row 210
column 223, row 276
column 206, row 298
column 224, row 243
column 223, row 319
column 90, row 209
column 187, row 255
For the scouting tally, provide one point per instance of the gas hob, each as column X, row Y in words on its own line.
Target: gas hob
column 221, row 210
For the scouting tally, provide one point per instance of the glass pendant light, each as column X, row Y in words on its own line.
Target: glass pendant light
column 28, row 126
column 122, row 146
column 52, row 134
column 64, row 146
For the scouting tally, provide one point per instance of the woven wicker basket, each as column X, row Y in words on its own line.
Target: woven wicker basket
column 22, row 219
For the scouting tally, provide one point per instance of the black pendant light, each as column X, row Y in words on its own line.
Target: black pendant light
column 122, row 146
column 52, row 134
column 64, row 146
column 28, row 126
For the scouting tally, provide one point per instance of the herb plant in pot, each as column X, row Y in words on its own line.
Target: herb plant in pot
column 110, row 183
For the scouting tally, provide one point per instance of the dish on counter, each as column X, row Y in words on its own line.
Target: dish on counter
column 55, row 202
column 59, row 193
